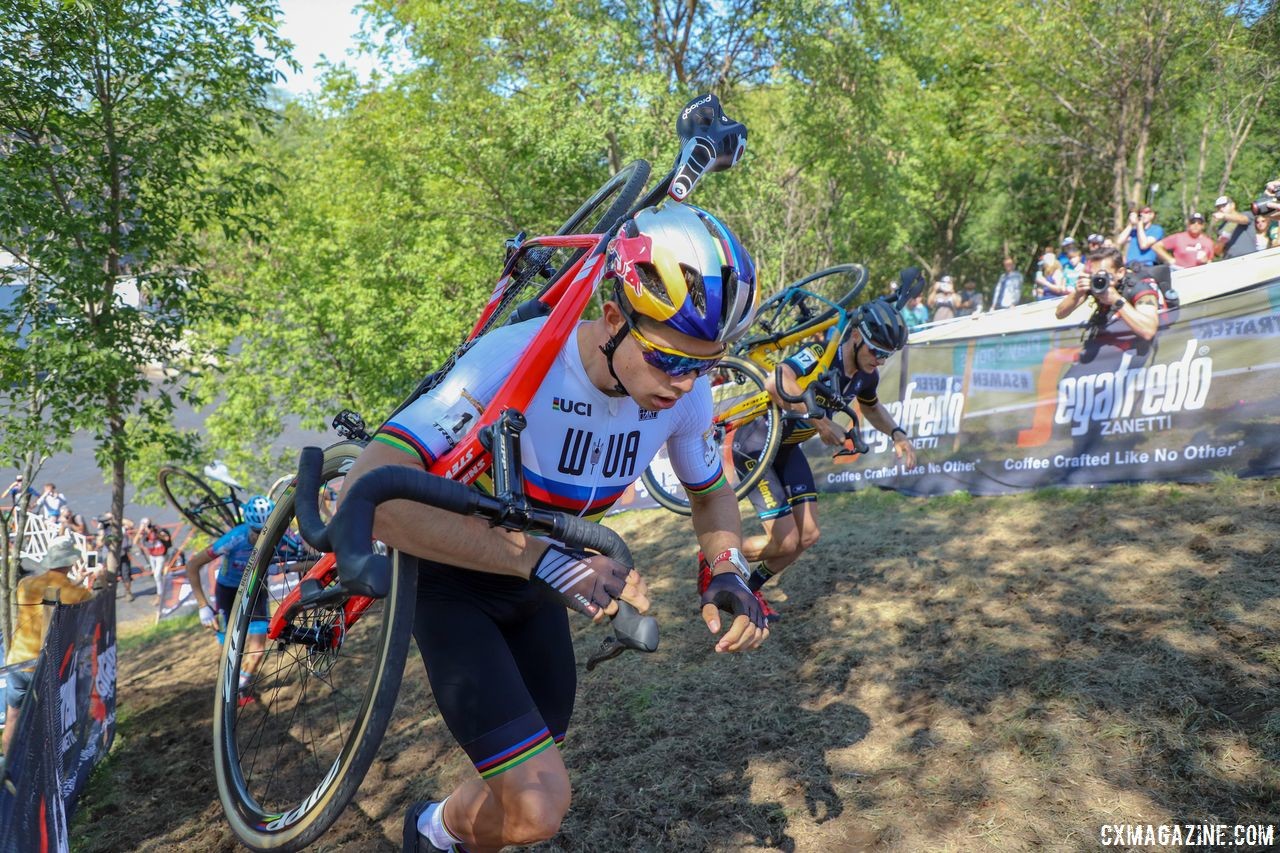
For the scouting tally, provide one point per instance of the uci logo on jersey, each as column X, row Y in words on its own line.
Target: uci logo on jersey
column 570, row 407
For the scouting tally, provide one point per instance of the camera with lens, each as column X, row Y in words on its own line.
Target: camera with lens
column 1099, row 282
column 1267, row 204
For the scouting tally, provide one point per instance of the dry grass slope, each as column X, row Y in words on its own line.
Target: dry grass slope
column 951, row 674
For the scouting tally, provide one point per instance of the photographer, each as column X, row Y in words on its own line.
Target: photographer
column 1139, row 235
column 1117, row 294
column 1235, row 229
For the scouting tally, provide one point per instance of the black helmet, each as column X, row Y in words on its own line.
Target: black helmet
column 882, row 326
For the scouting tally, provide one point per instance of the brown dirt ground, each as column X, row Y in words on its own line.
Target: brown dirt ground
column 951, row 674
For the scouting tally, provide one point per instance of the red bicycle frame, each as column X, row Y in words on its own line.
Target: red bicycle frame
column 468, row 460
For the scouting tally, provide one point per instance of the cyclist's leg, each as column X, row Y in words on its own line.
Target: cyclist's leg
column 781, row 539
column 791, row 532
column 522, row 792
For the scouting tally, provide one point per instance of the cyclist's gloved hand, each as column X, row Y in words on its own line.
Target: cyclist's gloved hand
column 580, row 581
column 728, row 592
column 208, row 617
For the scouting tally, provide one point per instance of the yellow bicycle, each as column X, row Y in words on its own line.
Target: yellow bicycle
column 813, row 309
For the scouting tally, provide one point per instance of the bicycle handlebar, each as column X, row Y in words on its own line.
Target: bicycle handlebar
column 809, row 396
column 361, row 571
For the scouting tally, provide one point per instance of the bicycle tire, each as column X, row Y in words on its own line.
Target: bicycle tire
column 619, row 192
column 789, row 312
column 263, row 744
column 196, row 501
column 739, row 396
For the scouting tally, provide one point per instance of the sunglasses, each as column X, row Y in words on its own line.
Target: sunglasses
column 882, row 355
column 669, row 361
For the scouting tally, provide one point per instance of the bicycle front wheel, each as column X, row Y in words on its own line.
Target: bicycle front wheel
column 738, row 398
column 292, row 746
column 197, row 502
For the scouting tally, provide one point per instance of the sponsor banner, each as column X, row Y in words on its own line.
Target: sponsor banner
column 1059, row 407
column 66, row 724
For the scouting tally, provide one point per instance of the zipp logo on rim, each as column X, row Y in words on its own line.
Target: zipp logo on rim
column 290, row 818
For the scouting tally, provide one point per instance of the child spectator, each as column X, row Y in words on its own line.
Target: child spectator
column 915, row 313
column 1074, row 266
column 1051, row 283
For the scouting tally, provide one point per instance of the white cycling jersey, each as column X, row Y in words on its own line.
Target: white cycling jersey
column 582, row 447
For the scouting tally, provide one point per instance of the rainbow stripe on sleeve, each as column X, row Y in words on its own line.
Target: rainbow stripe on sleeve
column 403, row 440
column 706, row 486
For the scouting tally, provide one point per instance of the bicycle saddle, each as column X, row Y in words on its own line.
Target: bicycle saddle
column 710, row 141
column 218, row 471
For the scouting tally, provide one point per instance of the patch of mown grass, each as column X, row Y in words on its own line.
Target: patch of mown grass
column 137, row 638
column 103, row 795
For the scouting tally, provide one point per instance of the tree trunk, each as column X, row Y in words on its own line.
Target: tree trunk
column 8, row 581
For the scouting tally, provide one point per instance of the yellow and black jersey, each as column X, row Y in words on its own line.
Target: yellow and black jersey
column 806, row 365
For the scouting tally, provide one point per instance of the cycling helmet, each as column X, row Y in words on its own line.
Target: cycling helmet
column 681, row 266
column 256, row 511
column 881, row 325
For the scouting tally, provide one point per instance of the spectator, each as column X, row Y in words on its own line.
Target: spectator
column 51, row 502
column 1264, row 233
column 970, row 300
column 1095, row 242
column 1064, row 250
column 943, row 301
column 19, row 487
column 1074, row 265
column 33, row 622
column 155, row 542
column 915, row 313
column 1008, row 291
column 71, row 522
column 1050, row 281
column 1190, row 248
column 109, row 535
column 1137, row 239
column 1235, row 229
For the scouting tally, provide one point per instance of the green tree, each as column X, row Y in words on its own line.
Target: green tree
column 118, row 122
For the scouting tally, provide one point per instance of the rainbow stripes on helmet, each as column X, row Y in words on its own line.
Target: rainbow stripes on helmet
column 681, row 266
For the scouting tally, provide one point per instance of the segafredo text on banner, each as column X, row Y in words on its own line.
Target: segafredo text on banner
column 1083, row 406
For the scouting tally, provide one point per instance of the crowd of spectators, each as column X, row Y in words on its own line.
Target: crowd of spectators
column 101, row 534
column 1230, row 232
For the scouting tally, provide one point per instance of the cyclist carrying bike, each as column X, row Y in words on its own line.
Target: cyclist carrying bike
column 235, row 547
column 786, row 499
column 491, row 621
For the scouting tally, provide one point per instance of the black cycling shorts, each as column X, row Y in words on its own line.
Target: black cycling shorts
column 500, row 662
column 789, row 480
column 224, row 598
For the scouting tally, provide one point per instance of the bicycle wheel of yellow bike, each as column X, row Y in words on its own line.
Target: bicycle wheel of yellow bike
column 738, row 398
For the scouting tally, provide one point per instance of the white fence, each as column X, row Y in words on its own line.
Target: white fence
column 40, row 531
